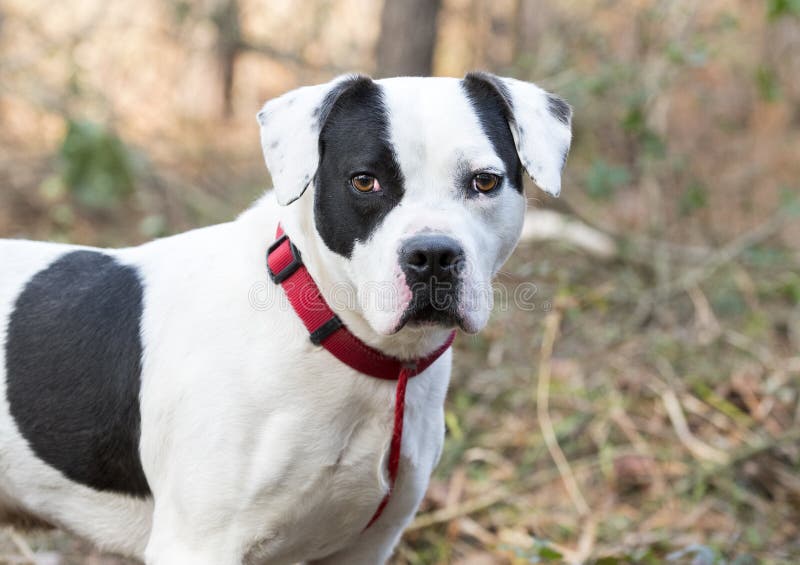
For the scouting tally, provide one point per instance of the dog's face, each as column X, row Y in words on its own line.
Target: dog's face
column 417, row 184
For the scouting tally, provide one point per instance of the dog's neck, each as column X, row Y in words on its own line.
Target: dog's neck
column 330, row 275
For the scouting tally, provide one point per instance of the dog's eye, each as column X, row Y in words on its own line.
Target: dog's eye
column 485, row 182
column 365, row 183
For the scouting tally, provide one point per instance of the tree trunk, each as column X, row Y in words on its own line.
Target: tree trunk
column 407, row 38
column 229, row 45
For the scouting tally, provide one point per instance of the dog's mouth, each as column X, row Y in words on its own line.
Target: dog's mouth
column 423, row 311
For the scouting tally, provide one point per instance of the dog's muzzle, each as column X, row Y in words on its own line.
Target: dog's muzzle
column 433, row 265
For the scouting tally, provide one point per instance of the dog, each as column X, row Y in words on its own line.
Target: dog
column 177, row 403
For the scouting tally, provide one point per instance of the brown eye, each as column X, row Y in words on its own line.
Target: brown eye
column 365, row 183
column 485, row 182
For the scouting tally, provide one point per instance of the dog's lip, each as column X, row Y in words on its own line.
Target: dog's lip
column 428, row 316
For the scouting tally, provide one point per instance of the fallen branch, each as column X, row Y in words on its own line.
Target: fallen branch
column 694, row 277
column 698, row 448
column 26, row 553
column 552, row 323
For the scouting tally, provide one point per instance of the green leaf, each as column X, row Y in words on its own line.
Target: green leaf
column 603, row 179
column 653, row 145
column 769, row 87
column 694, row 198
column 790, row 288
column 95, row 165
column 779, row 8
column 790, row 200
column 544, row 550
column 634, row 119
column 609, row 560
column 700, row 554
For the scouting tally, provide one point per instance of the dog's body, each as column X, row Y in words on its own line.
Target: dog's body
column 165, row 402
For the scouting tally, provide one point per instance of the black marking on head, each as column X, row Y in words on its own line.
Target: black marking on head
column 492, row 104
column 322, row 111
column 354, row 139
column 559, row 109
column 73, row 364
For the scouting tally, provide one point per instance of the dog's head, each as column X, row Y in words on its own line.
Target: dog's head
column 417, row 184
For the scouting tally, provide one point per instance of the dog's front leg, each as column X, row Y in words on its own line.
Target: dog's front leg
column 178, row 554
column 373, row 547
column 177, row 540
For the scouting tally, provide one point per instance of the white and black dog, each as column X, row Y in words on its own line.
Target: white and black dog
column 166, row 402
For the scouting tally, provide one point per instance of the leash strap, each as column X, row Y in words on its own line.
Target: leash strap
column 325, row 328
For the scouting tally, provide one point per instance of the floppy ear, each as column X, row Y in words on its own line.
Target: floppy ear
column 290, row 127
column 540, row 123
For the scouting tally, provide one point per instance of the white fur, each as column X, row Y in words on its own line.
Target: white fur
column 258, row 446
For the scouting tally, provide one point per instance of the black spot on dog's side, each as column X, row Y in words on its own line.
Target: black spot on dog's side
column 559, row 109
column 492, row 104
column 354, row 139
column 73, row 365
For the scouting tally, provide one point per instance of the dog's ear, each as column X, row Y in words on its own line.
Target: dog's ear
column 540, row 123
column 290, row 128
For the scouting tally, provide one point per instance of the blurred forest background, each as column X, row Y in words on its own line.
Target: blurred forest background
column 647, row 411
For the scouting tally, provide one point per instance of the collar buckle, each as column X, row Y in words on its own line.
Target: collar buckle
column 324, row 331
column 289, row 269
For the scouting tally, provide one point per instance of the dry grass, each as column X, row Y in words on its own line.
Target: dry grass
column 648, row 408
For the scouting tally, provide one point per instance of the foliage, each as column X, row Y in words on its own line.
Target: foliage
column 780, row 8
column 603, row 179
column 685, row 143
column 96, row 166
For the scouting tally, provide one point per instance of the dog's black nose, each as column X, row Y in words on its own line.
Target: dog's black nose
column 426, row 258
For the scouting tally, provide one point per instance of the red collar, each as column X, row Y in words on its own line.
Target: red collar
column 285, row 267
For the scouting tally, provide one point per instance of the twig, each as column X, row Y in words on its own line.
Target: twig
column 465, row 508
column 552, row 323
column 698, row 448
column 503, row 494
column 22, row 546
column 586, row 542
column 713, row 263
column 288, row 57
column 728, row 253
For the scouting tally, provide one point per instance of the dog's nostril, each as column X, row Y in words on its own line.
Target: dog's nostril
column 418, row 259
column 447, row 259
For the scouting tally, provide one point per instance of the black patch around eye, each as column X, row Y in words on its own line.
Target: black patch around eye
column 73, row 365
column 354, row 139
column 494, row 113
column 559, row 109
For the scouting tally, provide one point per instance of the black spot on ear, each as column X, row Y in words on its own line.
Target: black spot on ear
column 559, row 109
column 322, row 112
column 73, row 364
column 496, row 84
column 492, row 103
column 354, row 139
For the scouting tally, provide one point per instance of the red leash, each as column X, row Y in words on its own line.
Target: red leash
column 285, row 267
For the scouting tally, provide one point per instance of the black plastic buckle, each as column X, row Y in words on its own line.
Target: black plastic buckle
column 289, row 269
column 325, row 330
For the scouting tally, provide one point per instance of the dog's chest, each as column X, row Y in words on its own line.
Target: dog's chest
column 331, row 477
